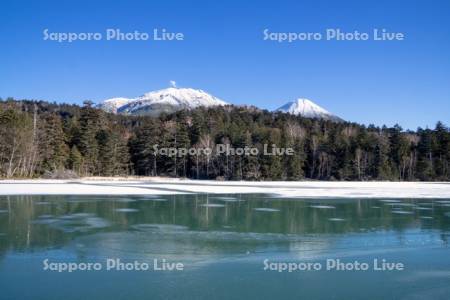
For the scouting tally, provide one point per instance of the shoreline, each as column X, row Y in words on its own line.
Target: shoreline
column 169, row 186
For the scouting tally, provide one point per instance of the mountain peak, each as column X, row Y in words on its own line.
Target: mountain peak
column 308, row 109
column 167, row 100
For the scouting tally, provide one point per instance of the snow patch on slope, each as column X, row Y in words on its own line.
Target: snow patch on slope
column 113, row 104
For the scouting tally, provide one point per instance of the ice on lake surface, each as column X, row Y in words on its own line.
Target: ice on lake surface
column 402, row 212
column 125, row 200
column 423, row 208
column 227, row 199
column 336, row 219
column 159, row 227
column 266, row 209
column 126, row 210
column 77, row 222
column 401, row 204
column 223, row 249
column 323, row 206
column 390, row 201
column 443, row 201
column 212, row 205
column 42, row 203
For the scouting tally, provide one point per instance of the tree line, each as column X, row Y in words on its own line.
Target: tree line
column 47, row 139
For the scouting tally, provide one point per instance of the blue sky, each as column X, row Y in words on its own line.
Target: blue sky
column 405, row 82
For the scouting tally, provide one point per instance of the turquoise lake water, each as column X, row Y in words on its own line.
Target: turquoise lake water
column 228, row 245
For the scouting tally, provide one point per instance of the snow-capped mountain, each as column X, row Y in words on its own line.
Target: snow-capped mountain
column 167, row 100
column 308, row 109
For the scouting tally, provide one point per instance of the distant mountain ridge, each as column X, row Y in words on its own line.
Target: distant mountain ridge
column 174, row 99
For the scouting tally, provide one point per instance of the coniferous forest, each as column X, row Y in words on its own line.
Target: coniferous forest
column 42, row 139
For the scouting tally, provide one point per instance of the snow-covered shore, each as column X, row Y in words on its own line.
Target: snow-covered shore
column 166, row 186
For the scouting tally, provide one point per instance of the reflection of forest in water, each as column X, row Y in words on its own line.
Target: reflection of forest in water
column 29, row 222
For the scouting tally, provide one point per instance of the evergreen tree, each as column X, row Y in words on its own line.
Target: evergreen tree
column 75, row 161
column 54, row 150
column 91, row 122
